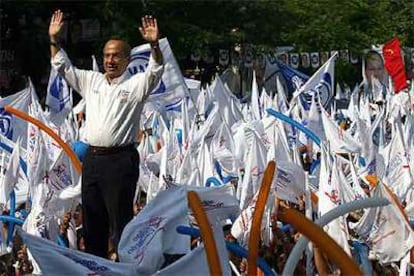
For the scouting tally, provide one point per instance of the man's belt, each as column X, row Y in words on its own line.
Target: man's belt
column 110, row 150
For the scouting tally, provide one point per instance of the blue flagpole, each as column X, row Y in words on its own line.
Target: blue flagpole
column 11, row 219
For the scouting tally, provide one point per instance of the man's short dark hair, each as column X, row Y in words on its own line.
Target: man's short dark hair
column 126, row 47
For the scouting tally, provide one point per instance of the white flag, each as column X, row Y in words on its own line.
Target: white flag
column 219, row 203
column 329, row 198
column 397, row 171
column 255, row 99
column 57, row 260
column 152, row 233
column 385, row 230
column 37, row 156
column 226, row 101
column 315, row 119
column 255, row 167
column 62, row 174
column 339, row 140
column 289, row 181
column 242, row 225
column 12, row 174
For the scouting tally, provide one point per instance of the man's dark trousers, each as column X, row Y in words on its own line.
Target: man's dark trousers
column 109, row 179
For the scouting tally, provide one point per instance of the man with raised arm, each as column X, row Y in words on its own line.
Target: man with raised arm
column 114, row 102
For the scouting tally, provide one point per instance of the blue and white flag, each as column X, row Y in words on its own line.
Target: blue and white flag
column 11, row 175
column 321, row 83
column 58, row 98
column 57, row 260
column 11, row 126
column 294, row 78
column 62, row 173
column 172, row 85
column 152, row 233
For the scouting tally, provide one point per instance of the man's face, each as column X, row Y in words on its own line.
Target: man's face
column 115, row 59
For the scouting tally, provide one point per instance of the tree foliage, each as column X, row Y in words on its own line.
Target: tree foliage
column 317, row 25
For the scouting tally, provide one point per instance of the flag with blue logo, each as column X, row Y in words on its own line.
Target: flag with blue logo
column 11, row 126
column 294, row 78
column 172, row 86
column 321, row 84
column 58, row 97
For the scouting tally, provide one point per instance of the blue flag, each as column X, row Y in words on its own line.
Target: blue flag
column 294, row 78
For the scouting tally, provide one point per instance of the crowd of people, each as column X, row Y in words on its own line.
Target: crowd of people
column 275, row 254
column 114, row 103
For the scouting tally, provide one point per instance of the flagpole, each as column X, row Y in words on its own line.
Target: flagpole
column 321, row 239
column 254, row 236
column 206, row 233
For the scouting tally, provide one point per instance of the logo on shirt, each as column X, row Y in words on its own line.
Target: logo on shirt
column 123, row 95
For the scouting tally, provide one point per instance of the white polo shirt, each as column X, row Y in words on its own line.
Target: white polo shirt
column 113, row 109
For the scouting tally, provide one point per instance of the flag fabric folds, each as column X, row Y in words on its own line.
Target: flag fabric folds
column 394, row 63
column 12, row 174
column 320, row 84
column 172, row 86
column 58, row 97
column 152, row 233
column 57, row 260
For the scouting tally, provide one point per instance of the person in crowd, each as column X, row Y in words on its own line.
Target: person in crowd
column 114, row 102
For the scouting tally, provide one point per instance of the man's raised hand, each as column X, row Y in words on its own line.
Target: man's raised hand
column 56, row 23
column 149, row 29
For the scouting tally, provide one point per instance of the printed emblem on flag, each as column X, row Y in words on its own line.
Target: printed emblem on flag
column 138, row 64
column 323, row 89
column 145, row 236
column 211, row 204
column 6, row 123
column 56, row 91
column 90, row 264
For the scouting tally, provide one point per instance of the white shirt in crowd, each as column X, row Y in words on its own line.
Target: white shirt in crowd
column 113, row 109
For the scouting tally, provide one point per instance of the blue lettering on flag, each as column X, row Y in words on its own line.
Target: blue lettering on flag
column 6, row 127
column 138, row 64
